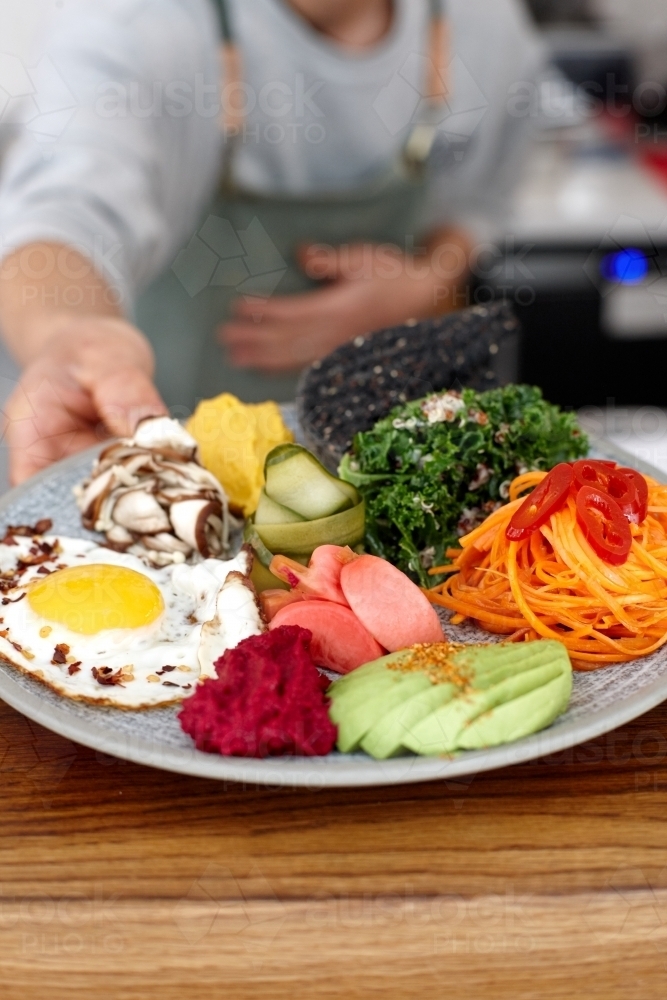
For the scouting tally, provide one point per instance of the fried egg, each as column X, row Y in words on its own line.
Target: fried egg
column 102, row 627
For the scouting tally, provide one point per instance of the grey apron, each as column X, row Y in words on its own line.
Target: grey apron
column 245, row 245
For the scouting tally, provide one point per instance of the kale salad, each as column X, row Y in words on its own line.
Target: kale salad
column 436, row 467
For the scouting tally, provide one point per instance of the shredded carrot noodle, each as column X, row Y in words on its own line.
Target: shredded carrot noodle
column 554, row 585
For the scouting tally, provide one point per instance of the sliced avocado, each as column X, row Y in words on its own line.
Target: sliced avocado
column 387, row 736
column 482, row 659
column 440, row 732
column 356, row 722
column 520, row 717
column 270, row 512
column 300, row 540
column 350, row 700
column 487, row 656
column 364, row 682
column 505, row 692
column 296, row 480
column 355, row 676
column 488, row 665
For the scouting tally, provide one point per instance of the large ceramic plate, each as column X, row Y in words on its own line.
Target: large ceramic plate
column 601, row 700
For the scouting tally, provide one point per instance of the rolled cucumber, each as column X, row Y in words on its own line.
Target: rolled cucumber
column 270, row 512
column 261, row 576
column 302, row 538
column 301, row 507
column 297, row 481
column 263, row 579
column 251, row 537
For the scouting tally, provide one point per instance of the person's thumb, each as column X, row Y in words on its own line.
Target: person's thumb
column 125, row 397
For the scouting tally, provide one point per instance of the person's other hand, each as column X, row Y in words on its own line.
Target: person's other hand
column 365, row 287
column 92, row 378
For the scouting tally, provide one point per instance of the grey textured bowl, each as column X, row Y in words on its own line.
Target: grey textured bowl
column 366, row 378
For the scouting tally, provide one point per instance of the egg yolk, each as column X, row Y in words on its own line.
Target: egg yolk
column 90, row 599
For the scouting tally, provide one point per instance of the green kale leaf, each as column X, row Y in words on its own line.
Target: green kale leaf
column 435, row 468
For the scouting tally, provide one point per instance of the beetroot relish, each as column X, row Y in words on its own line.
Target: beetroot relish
column 268, row 699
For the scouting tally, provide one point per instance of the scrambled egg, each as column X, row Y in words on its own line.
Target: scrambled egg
column 234, row 439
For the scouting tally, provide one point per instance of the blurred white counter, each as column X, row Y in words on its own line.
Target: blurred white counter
column 571, row 195
column 641, row 431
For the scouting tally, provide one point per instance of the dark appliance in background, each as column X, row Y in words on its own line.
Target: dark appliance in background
column 596, row 332
column 593, row 308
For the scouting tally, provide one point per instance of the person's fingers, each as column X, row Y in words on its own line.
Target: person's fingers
column 320, row 262
column 277, row 307
column 48, row 419
column 276, row 347
column 41, row 429
column 125, row 397
column 94, row 379
column 267, row 362
column 301, row 306
column 350, row 262
column 236, row 333
column 27, row 459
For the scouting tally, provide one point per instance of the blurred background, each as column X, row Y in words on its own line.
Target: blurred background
column 584, row 252
column 592, row 206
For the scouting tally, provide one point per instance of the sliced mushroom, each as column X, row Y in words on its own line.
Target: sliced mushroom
column 89, row 498
column 167, row 545
column 175, row 494
column 128, row 473
column 156, row 558
column 119, row 538
column 199, row 523
column 164, row 435
column 166, row 542
column 103, row 520
column 140, row 512
column 151, row 497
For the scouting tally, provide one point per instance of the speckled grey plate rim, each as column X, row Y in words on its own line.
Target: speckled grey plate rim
column 336, row 770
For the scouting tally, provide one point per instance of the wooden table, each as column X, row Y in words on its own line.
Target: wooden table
column 542, row 880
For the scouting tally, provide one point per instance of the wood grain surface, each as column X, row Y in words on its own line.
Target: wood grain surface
column 544, row 880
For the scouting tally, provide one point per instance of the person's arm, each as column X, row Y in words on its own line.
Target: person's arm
column 87, row 372
column 137, row 154
column 122, row 188
column 366, row 286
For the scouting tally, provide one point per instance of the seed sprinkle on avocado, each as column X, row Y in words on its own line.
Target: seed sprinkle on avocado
column 435, row 659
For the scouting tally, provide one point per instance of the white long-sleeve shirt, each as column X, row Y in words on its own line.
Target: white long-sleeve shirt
column 124, row 148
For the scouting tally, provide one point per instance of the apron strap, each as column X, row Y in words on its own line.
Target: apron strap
column 437, row 84
column 231, row 73
column 419, row 143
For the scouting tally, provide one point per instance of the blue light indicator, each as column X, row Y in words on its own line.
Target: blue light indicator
column 626, row 267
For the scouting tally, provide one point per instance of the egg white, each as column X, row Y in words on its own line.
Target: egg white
column 190, row 594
